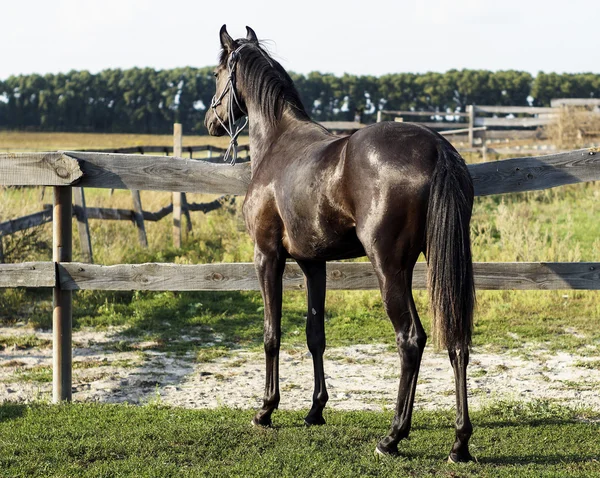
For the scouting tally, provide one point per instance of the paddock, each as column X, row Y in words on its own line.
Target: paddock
column 66, row 170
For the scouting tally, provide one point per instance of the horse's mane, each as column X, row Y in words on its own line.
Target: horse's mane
column 265, row 81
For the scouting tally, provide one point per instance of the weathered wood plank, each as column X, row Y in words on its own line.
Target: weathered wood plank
column 158, row 215
column 129, row 215
column 107, row 213
column 160, row 173
column 443, row 125
column 212, row 205
column 241, row 276
column 162, row 149
column 423, row 113
column 514, row 134
column 537, row 275
column 82, row 225
column 27, row 274
column 532, row 110
column 340, row 275
column 30, row 169
column 462, row 130
column 26, row 222
column 131, row 171
column 342, row 125
column 523, row 150
column 557, row 102
column 235, row 276
column 513, row 122
column 138, row 217
column 535, row 173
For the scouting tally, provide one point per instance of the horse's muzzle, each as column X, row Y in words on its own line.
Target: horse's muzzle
column 213, row 125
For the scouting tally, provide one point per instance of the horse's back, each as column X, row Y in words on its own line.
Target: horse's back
column 404, row 150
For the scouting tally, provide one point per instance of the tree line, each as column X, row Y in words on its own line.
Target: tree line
column 144, row 100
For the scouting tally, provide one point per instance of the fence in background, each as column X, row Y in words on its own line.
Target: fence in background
column 137, row 216
column 495, row 122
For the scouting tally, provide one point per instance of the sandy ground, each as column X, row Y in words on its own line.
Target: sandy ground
column 361, row 377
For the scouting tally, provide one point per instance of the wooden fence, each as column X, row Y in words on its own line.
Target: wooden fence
column 63, row 170
column 494, row 122
column 136, row 215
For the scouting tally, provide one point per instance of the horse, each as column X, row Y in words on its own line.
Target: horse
column 390, row 191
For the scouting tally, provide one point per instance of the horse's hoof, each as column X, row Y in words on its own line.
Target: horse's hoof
column 310, row 421
column 262, row 423
column 453, row 458
column 381, row 450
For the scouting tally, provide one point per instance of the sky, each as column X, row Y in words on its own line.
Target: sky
column 367, row 37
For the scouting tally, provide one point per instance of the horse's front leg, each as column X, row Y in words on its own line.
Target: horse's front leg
column 315, row 335
column 269, row 268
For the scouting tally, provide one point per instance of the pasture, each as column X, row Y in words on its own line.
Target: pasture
column 536, row 440
column 553, row 225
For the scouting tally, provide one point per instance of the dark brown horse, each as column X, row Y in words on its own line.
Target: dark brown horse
column 389, row 191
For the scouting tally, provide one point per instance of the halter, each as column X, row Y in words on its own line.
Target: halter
column 232, row 129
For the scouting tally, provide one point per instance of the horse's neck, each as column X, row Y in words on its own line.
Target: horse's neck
column 263, row 135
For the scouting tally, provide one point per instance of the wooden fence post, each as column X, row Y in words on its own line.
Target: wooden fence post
column 62, row 304
column 177, row 146
column 83, row 226
column 471, row 111
column 562, row 116
column 379, row 116
column 186, row 208
column 138, row 213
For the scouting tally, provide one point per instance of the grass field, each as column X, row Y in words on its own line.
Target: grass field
column 510, row 439
column 32, row 141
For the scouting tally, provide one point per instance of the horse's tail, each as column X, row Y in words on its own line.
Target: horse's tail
column 450, row 276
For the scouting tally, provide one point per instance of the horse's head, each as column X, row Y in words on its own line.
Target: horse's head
column 227, row 106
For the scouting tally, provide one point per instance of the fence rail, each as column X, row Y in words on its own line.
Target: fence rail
column 137, row 215
column 158, row 173
column 130, row 171
column 512, row 117
column 241, row 276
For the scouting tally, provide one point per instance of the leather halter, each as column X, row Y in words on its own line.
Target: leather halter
column 233, row 128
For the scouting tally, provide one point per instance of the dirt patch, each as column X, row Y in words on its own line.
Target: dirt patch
column 360, row 377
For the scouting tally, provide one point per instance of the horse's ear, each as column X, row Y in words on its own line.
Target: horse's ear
column 251, row 36
column 226, row 40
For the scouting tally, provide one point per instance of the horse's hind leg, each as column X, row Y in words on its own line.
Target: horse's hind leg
column 395, row 280
column 460, row 450
column 410, row 338
column 315, row 335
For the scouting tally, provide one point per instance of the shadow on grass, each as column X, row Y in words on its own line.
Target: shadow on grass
column 556, row 459
column 10, row 411
column 184, row 321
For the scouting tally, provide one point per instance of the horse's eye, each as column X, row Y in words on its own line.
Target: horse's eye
column 215, row 74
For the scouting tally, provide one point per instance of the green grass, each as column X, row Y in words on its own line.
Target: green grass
column 591, row 365
column 43, row 373
column 38, row 141
column 23, row 342
column 510, row 439
column 182, row 322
